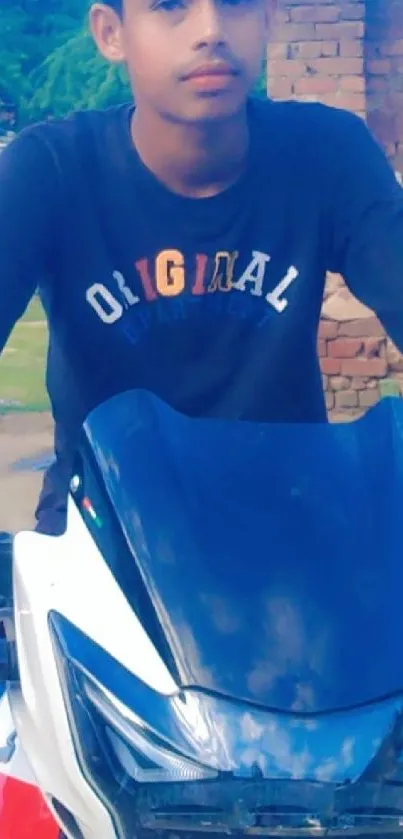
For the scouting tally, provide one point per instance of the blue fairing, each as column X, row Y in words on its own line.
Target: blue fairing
column 234, row 736
column 272, row 554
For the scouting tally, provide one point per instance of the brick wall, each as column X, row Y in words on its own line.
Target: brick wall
column 355, row 354
column 346, row 53
column 317, row 52
column 383, row 56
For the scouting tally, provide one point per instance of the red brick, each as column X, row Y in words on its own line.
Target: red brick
column 315, row 14
column 367, row 398
column 340, row 383
column 322, row 348
column 351, row 49
column 346, row 399
column 374, row 347
column 329, row 99
column 367, row 327
column 347, row 101
column 307, row 97
column 394, row 358
column 277, row 51
column 330, row 366
column 337, row 66
column 305, row 49
column 345, row 347
column 344, row 415
column 316, row 84
column 339, row 31
column 328, row 14
column 334, row 282
column 353, row 11
column 356, row 84
column 328, row 329
column 314, row 49
column 280, row 88
column 297, row 32
column 375, row 367
column 282, row 16
column 303, row 14
column 328, row 48
column 329, row 400
column 359, row 382
column 293, row 68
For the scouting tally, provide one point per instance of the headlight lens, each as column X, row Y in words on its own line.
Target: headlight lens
column 144, row 757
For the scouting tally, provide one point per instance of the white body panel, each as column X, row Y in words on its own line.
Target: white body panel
column 68, row 574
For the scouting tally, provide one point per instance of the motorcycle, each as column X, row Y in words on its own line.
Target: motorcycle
column 214, row 645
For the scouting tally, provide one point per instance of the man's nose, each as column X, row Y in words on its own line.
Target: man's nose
column 210, row 25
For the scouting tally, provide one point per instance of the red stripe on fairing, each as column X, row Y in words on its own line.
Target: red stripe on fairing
column 24, row 813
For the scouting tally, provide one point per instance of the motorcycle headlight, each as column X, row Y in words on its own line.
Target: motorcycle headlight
column 143, row 756
column 133, row 744
column 132, row 738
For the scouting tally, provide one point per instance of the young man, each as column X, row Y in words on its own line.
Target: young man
column 182, row 246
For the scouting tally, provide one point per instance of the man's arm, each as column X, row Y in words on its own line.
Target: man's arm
column 365, row 205
column 29, row 222
column 27, row 218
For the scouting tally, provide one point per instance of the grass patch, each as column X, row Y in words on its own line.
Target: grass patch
column 22, row 364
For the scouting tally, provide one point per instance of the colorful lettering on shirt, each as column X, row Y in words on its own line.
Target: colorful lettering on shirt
column 167, row 278
column 222, row 279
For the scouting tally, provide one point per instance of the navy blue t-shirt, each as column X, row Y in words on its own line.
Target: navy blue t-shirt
column 213, row 304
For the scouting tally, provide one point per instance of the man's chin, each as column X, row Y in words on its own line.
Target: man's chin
column 208, row 109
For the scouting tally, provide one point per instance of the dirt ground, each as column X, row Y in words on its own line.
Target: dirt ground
column 21, row 436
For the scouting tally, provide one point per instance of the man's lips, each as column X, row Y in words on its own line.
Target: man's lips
column 212, row 70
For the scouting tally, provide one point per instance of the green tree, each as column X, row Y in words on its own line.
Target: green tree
column 74, row 76
column 14, row 52
column 48, row 62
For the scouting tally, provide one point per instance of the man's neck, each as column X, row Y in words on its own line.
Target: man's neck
column 192, row 160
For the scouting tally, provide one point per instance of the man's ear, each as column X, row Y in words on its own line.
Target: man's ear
column 106, row 29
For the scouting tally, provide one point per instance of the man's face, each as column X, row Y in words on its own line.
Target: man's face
column 190, row 60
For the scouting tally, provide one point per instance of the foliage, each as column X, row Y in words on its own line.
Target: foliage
column 14, row 52
column 74, row 76
column 261, row 86
column 48, row 62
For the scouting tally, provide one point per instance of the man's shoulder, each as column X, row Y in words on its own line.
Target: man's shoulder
column 303, row 118
column 310, row 138
column 79, row 132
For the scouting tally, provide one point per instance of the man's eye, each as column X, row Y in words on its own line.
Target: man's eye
column 169, row 5
column 237, row 2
